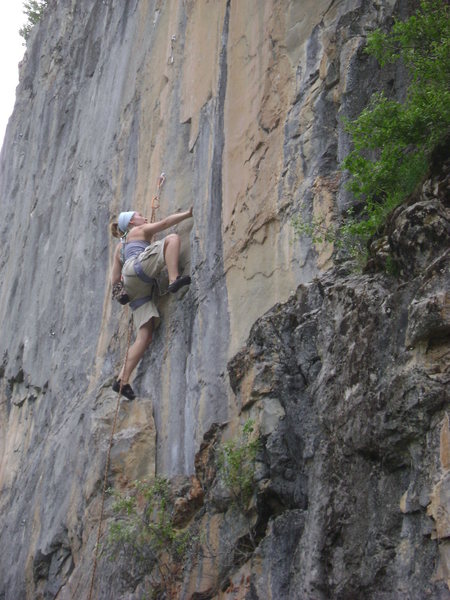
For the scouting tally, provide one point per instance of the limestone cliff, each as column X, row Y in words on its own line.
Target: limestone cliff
column 239, row 103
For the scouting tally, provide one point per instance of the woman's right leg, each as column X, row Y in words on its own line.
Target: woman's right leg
column 172, row 245
column 171, row 256
column 137, row 350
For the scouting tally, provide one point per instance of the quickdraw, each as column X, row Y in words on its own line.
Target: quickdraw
column 155, row 199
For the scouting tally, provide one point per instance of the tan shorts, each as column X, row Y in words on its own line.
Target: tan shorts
column 152, row 261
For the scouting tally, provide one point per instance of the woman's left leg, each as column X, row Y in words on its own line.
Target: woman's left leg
column 137, row 350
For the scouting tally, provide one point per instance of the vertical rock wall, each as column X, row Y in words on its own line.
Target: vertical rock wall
column 239, row 104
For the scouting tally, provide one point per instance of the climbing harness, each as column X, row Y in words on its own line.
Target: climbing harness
column 118, row 291
column 105, row 477
column 143, row 277
column 134, row 304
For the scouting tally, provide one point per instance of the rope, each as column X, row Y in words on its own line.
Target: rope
column 105, row 477
column 155, row 199
column 155, row 206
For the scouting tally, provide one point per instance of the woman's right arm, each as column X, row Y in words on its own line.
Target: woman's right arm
column 116, row 271
column 151, row 228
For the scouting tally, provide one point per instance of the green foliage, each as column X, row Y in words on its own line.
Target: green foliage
column 393, row 141
column 236, row 464
column 342, row 237
column 317, row 230
column 34, row 10
column 143, row 529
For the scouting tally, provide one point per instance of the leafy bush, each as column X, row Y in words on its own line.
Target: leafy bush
column 393, row 141
column 143, row 529
column 402, row 136
column 236, row 462
column 34, row 10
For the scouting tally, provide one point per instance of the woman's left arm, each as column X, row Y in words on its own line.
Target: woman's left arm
column 116, row 271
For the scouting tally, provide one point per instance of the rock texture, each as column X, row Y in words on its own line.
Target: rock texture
column 351, row 496
column 239, row 103
column 359, row 458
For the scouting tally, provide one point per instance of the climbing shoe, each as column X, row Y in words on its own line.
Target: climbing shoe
column 179, row 282
column 127, row 390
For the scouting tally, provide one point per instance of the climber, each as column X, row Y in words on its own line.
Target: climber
column 137, row 261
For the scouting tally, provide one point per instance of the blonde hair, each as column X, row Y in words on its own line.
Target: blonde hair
column 115, row 231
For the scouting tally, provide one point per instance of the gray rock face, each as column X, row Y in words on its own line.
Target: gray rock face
column 358, row 364
column 239, row 103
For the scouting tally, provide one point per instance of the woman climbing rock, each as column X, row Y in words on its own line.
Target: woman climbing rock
column 137, row 261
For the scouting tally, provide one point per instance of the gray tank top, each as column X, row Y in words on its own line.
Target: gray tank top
column 133, row 249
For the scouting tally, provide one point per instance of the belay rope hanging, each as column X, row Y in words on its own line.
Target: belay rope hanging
column 154, row 207
column 105, row 477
